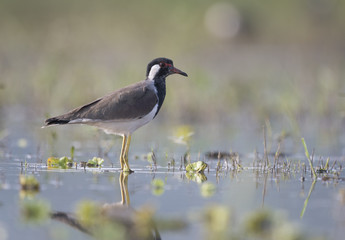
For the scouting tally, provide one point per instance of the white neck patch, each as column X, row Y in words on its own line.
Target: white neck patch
column 154, row 70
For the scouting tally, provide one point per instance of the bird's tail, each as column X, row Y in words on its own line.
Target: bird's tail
column 55, row 121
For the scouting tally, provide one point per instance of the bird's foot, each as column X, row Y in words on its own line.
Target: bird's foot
column 127, row 170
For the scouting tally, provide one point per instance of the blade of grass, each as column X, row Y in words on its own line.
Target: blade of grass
column 327, row 164
column 308, row 157
column 72, row 152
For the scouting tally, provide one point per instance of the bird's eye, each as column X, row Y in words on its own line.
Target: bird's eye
column 162, row 64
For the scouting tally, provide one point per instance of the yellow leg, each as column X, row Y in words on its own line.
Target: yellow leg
column 123, row 198
column 122, row 157
column 125, row 156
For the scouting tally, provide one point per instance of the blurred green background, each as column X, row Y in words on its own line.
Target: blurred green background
column 250, row 63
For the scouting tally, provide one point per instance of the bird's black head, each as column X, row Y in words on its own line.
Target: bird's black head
column 162, row 67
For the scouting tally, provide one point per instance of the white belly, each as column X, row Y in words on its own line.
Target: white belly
column 119, row 127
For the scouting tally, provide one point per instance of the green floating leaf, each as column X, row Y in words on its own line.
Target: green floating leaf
column 63, row 162
column 157, row 186
column 95, row 162
column 196, row 167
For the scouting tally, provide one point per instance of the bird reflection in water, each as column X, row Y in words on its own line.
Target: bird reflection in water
column 113, row 220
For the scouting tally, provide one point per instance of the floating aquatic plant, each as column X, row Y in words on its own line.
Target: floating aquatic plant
column 195, row 171
column 63, row 162
column 196, row 167
column 95, row 162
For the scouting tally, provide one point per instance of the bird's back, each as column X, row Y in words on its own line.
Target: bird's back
column 132, row 102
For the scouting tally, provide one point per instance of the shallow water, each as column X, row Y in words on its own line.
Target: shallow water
column 242, row 192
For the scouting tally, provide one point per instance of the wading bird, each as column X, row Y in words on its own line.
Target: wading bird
column 124, row 111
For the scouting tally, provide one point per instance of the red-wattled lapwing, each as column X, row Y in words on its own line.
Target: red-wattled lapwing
column 124, row 111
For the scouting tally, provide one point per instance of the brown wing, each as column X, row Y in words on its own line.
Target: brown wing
column 132, row 102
